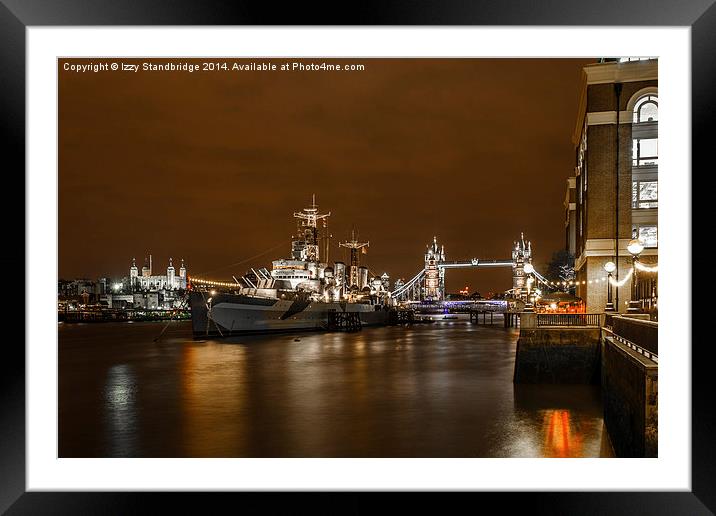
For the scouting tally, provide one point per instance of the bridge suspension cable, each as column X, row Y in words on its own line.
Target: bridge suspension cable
column 541, row 278
column 406, row 286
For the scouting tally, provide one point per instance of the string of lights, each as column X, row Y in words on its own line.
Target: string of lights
column 212, row 283
column 646, row 268
column 621, row 282
column 585, row 282
column 640, row 266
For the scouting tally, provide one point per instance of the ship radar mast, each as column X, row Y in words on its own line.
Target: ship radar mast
column 354, row 245
column 309, row 218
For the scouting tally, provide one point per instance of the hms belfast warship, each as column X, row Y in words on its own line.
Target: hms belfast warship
column 299, row 293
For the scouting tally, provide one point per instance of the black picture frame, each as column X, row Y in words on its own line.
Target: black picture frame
column 17, row 15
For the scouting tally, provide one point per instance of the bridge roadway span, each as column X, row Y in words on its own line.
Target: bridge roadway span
column 475, row 263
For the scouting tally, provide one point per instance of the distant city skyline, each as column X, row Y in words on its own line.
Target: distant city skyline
column 210, row 166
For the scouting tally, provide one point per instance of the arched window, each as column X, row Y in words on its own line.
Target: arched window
column 646, row 109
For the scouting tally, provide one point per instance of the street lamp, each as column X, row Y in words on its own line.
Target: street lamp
column 529, row 270
column 609, row 267
column 635, row 247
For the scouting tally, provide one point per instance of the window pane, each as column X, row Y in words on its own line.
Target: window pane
column 645, row 152
column 646, row 109
column 648, row 191
column 648, row 112
column 648, row 148
column 647, row 234
column 634, row 196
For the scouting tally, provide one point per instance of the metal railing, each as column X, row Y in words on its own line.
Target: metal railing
column 644, row 334
column 569, row 320
column 647, row 353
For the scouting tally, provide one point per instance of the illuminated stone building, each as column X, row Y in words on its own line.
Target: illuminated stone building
column 615, row 179
column 149, row 282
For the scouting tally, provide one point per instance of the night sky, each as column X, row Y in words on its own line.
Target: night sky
column 210, row 166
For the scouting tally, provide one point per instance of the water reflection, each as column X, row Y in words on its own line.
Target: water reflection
column 561, row 440
column 560, row 420
column 439, row 390
column 213, row 400
column 120, row 396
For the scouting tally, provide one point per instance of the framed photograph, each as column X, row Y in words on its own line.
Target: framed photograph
column 417, row 253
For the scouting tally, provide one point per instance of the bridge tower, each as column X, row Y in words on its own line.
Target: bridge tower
column 434, row 289
column 521, row 254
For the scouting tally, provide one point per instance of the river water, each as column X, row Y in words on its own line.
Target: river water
column 429, row 390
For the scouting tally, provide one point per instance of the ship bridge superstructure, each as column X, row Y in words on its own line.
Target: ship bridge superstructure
column 306, row 272
column 303, row 269
column 307, row 244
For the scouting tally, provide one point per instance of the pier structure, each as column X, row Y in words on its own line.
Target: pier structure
column 344, row 321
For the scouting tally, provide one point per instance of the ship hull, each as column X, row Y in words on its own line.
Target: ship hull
column 233, row 314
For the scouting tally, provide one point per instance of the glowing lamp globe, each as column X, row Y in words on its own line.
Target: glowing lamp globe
column 610, row 267
column 635, row 247
column 529, row 269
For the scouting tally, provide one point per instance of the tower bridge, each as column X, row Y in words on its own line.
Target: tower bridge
column 429, row 283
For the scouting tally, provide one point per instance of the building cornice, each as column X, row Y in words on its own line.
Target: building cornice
column 609, row 117
column 628, row 71
column 595, row 247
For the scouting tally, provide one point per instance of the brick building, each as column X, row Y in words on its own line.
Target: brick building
column 615, row 179
column 570, row 216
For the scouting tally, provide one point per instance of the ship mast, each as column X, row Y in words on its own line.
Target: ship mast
column 309, row 217
column 354, row 245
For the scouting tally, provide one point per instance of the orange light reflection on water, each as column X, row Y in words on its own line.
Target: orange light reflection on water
column 213, row 393
column 561, row 437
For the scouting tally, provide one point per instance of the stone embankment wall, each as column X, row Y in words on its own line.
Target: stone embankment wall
column 619, row 355
column 557, row 354
column 630, row 388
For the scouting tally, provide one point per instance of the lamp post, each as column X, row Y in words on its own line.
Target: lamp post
column 635, row 247
column 529, row 269
column 609, row 267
